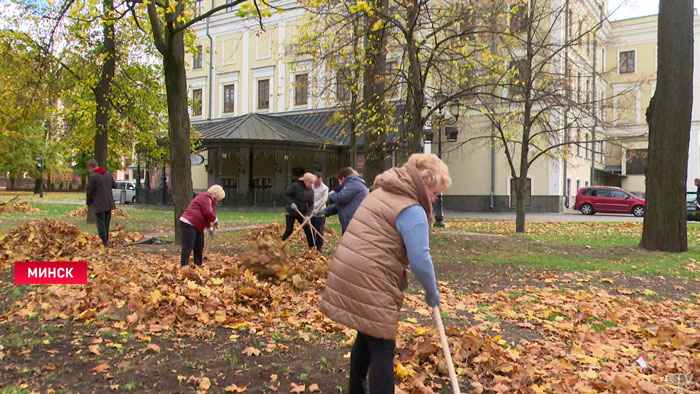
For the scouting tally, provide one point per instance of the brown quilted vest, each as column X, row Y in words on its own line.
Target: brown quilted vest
column 367, row 277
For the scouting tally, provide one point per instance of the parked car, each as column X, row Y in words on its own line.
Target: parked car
column 692, row 209
column 590, row 200
column 129, row 188
column 640, row 194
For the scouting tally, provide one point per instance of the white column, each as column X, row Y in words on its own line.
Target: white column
column 245, row 74
column 281, row 69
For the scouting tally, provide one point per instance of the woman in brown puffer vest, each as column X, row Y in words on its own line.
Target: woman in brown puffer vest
column 367, row 278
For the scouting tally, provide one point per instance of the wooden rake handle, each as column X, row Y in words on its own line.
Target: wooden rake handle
column 313, row 228
column 446, row 350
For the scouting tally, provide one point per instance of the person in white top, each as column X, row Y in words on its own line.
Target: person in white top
column 320, row 196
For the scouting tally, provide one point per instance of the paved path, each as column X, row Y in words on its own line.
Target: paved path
column 569, row 216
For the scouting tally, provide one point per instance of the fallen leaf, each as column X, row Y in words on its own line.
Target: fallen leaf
column 251, row 351
column 101, row 368
column 234, row 389
column 153, row 347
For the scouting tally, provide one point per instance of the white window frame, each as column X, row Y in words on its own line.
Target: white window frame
column 197, row 83
column 258, row 74
column 227, row 79
column 618, row 61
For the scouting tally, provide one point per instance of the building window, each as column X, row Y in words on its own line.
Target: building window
column 264, row 94
column 198, row 7
column 229, row 94
column 197, row 102
column 588, row 147
column 341, row 86
column 626, row 65
column 301, row 89
column 197, row 58
column 521, row 76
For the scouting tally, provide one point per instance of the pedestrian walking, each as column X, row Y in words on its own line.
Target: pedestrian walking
column 99, row 196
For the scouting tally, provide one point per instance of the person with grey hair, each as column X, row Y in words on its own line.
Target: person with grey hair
column 199, row 215
column 99, row 196
column 300, row 204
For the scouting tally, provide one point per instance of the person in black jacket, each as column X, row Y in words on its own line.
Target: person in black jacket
column 300, row 204
column 99, row 196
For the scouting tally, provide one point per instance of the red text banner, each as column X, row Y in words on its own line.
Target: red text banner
column 50, row 272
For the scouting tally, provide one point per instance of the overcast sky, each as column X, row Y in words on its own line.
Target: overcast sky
column 633, row 8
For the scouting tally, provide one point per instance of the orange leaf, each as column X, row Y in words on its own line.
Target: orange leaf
column 251, row 351
column 101, row 367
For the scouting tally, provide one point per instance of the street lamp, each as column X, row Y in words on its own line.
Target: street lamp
column 441, row 121
column 39, row 166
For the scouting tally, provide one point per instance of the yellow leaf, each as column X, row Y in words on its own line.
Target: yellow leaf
column 94, row 349
column 404, row 372
column 648, row 292
column 589, row 374
column 298, row 389
column 217, row 281
column 153, row 347
column 313, row 387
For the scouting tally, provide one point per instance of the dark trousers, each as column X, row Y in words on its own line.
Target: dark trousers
column 102, row 219
column 318, row 223
column 191, row 240
column 376, row 356
column 290, row 229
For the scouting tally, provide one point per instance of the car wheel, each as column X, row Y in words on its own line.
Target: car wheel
column 587, row 209
column 638, row 211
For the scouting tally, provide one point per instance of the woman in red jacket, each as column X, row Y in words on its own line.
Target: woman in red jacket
column 200, row 214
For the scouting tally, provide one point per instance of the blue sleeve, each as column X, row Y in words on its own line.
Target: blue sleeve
column 412, row 224
column 346, row 194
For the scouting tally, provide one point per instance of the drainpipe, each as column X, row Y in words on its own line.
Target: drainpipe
column 594, row 107
column 566, row 110
column 211, row 65
column 493, row 168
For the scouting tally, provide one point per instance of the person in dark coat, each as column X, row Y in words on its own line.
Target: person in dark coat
column 345, row 202
column 99, row 196
column 300, row 204
column 199, row 215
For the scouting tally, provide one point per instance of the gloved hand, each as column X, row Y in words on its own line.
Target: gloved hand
column 433, row 299
column 320, row 213
column 293, row 206
column 332, row 192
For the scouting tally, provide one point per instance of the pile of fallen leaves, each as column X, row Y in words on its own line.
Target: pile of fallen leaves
column 119, row 236
column 46, row 239
column 82, row 212
column 18, row 207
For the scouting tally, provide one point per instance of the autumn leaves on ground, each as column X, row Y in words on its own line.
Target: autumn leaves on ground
column 248, row 321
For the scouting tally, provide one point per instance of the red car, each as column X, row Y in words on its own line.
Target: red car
column 590, row 200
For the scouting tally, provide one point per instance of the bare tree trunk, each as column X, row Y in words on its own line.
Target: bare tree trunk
column 669, row 117
column 104, row 86
column 179, row 129
column 415, row 85
column 374, row 116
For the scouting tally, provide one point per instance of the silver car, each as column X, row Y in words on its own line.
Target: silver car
column 129, row 190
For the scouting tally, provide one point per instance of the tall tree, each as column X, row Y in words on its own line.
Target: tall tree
column 169, row 20
column 375, row 119
column 104, row 85
column 669, row 117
